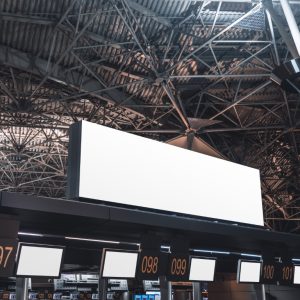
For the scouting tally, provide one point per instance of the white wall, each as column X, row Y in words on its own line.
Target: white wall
column 124, row 168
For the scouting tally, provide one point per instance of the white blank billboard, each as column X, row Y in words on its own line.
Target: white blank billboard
column 123, row 168
column 296, row 275
column 119, row 264
column 249, row 272
column 202, row 269
column 39, row 261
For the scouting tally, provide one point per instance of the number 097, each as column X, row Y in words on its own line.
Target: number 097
column 5, row 252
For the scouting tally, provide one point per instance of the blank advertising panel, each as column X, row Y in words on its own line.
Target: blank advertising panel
column 202, row 269
column 249, row 272
column 296, row 274
column 119, row 167
column 39, row 261
column 118, row 264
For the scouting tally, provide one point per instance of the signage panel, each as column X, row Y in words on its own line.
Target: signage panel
column 296, row 274
column 285, row 273
column 114, row 166
column 202, row 269
column 39, row 261
column 178, row 267
column 249, row 271
column 151, row 265
column 118, row 263
column 8, row 248
column 270, row 271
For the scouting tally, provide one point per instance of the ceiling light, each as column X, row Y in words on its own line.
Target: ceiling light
column 29, row 233
column 91, row 240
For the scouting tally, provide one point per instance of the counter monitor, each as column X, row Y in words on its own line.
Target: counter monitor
column 39, row 261
column 202, row 269
column 118, row 263
column 296, row 274
column 248, row 271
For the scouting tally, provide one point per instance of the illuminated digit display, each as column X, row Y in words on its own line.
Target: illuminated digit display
column 151, row 265
column 286, row 273
column 178, row 267
column 270, row 270
column 7, row 257
column 275, row 272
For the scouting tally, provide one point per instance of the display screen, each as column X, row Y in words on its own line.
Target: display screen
column 249, row 271
column 7, row 256
column 296, row 275
column 118, row 264
column 40, row 261
column 123, row 168
column 202, row 269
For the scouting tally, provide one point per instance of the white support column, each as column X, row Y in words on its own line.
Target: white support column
column 292, row 23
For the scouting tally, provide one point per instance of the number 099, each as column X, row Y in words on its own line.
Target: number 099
column 178, row 266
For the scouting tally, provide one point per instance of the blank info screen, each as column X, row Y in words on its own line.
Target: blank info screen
column 249, row 272
column 119, row 264
column 202, row 269
column 39, row 261
column 123, row 168
column 297, row 275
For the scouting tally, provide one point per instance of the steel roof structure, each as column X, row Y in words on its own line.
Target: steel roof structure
column 159, row 68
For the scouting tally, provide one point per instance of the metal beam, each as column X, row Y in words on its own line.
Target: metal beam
column 149, row 13
column 50, row 22
column 277, row 59
column 288, row 41
column 260, row 87
column 278, row 128
column 176, row 105
column 205, row 44
column 292, row 23
column 217, row 76
column 22, row 61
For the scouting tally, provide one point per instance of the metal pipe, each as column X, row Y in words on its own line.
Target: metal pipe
column 213, row 76
column 263, row 290
column 259, row 88
column 292, row 23
column 277, row 61
column 175, row 105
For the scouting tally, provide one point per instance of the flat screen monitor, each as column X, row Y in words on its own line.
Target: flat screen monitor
column 202, row 269
column 39, row 261
column 296, row 274
column 248, row 271
column 118, row 263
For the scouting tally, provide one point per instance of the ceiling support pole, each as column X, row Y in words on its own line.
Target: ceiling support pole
column 290, row 18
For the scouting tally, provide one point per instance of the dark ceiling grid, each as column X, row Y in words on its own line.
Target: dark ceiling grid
column 147, row 67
